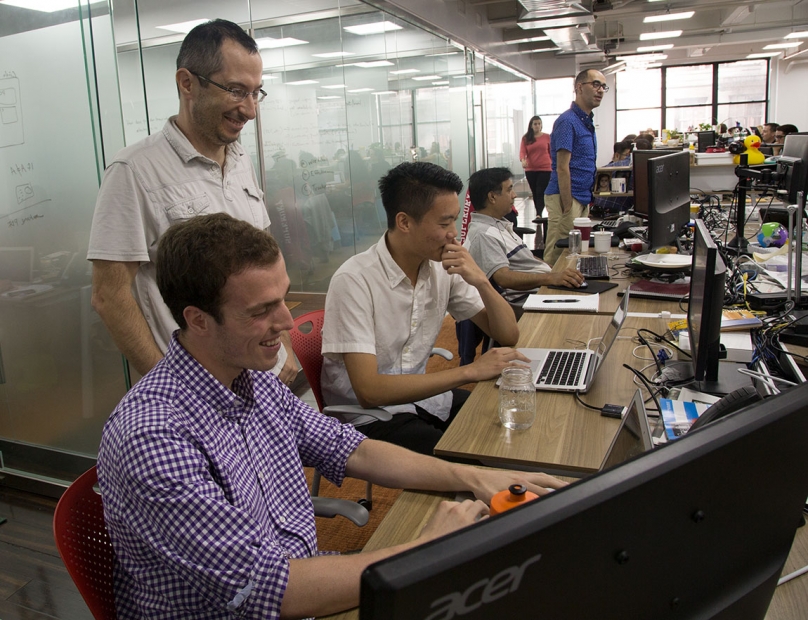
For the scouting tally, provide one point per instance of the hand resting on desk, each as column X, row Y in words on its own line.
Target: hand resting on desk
column 491, row 363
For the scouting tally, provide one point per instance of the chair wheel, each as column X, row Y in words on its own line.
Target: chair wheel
column 365, row 504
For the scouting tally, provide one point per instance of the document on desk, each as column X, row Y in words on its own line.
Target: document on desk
column 563, row 303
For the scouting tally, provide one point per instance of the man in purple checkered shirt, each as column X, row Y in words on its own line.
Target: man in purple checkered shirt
column 201, row 464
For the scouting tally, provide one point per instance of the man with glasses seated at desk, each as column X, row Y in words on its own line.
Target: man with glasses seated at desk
column 194, row 166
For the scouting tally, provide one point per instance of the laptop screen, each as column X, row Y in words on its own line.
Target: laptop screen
column 633, row 437
column 611, row 331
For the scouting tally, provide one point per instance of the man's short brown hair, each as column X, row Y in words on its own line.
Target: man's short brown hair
column 196, row 257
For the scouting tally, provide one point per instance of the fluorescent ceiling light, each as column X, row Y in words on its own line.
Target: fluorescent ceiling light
column 782, row 46
column 797, row 35
column 266, row 77
column 360, row 90
column 763, row 55
column 302, row 83
column 544, row 49
column 668, row 17
column 384, row 92
column 653, row 65
column 526, row 40
column 333, row 54
column 643, row 57
column 405, row 71
column 374, row 28
column 46, row 6
column 441, row 83
column 463, row 77
column 440, row 54
column 373, row 63
column 423, row 78
column 268, row 43
column 668, row 34
column 330, row 97
column 184, row 27
column 655, row 48
column 333, row 86
column 617, row 64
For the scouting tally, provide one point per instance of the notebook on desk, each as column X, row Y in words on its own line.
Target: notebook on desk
column 574, row 370
column 633, row 437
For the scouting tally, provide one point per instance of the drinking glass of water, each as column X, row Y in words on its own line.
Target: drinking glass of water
column 517, row 398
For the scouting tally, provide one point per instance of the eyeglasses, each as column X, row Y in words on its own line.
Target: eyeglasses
column 598, row 86
column 237, row 95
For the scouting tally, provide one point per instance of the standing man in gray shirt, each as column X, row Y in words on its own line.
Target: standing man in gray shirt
column 194, row 166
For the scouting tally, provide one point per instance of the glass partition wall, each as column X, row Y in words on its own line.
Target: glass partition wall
column 352, row 93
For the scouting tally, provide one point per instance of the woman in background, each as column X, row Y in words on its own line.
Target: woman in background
column 535, row 155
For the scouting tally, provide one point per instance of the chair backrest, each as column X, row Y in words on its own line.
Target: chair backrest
column 308, row 349
column 84, row 544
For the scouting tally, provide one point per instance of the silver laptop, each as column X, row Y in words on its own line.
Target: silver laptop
column 573, row 370
column 633, row 437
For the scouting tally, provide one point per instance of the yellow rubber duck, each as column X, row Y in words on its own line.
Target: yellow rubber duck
column 754, row 156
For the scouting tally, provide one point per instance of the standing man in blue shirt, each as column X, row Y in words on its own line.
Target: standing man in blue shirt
column 573, row 149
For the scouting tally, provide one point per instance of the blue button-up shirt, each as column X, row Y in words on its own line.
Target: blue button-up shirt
column 204, row 492
column 574, row 131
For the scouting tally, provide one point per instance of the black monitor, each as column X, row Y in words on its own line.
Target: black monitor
column 706, row 139
column 792, row 167
column 668, row 198
column 640, row 173
column 704, row 313
column 672, row 533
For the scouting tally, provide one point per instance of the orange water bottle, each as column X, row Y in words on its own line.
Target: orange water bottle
column 516, row 495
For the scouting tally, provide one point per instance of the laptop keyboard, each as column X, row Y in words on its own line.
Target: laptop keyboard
column 594, row 267
column 562, row 368
column 609, row 224
column 641, row 232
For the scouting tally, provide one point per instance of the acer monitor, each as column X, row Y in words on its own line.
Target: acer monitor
column 640, row 171
column 653, row 537
column 704, row 313
column 668, row 198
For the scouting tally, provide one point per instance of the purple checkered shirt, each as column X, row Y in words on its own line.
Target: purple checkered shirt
column 204, row 493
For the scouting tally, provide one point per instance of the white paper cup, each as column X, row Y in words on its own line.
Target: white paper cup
column 603, row 240
column 584, row 224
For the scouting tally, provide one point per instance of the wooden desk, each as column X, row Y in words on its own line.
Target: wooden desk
column 413, row 509
column 567, row 437
column 610, row 300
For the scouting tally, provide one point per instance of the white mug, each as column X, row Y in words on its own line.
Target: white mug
column 603, row 240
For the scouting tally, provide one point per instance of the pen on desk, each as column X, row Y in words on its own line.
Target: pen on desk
column 561, row 301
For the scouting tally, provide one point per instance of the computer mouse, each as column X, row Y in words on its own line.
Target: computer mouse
column 583, row 284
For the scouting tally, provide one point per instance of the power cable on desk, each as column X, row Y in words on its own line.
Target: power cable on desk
column 647, row 384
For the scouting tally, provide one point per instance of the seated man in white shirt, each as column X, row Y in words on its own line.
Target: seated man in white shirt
column 499, row 252
column 385, row 307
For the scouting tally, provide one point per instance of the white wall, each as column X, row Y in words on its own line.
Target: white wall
column 788, row 87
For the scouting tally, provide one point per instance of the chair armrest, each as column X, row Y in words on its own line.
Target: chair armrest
column 447, row 355
column 337, row 410
column 330, row 507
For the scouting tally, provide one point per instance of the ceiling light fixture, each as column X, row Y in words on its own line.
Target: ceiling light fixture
column 668, row 17
column 655, row 48
column 374, row 28
column 333, row 54
column 184, row 27
column 423, row 78
column 764, row 55
column 797, row 35
column 643, row 57
column 617, row 64
column 302, row 83
column 373, row 63
column 360, row 90
column 667, row 34
column 333, row 86
column 268, row 43
column 441, row 83
column 782, row 46
column 384, row 92
column 526, row 40
column 330, row 97
column 51, row 6
column 405, row 71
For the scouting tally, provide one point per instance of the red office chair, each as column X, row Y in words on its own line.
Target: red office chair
column 82, row 540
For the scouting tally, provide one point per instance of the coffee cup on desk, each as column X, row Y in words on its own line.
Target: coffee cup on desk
column 584, row 224
column 603, row 240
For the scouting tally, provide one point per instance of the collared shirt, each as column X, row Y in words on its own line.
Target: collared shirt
column 158, row 182
column 609, row 204
column 372, row 307
column 574, row 131
column 204, row 493
column 493, row 245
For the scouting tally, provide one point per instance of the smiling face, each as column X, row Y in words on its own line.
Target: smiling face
column 253, row 316
column 217, row 120
column 436, row 229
